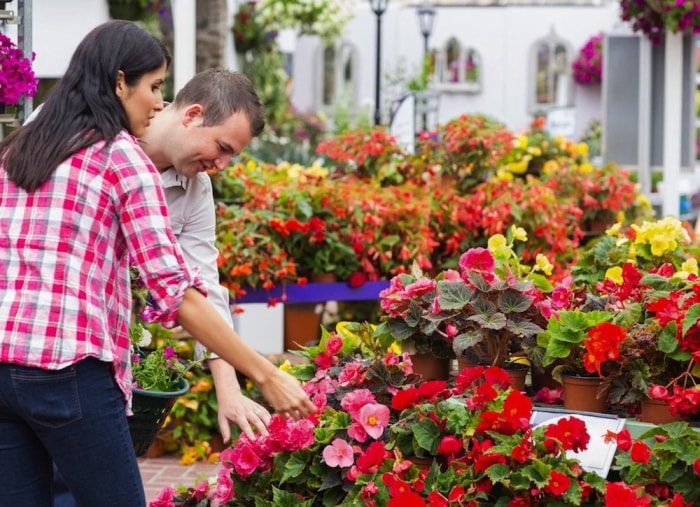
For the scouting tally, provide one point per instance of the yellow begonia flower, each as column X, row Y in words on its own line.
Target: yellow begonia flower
column 614, row 274
column 689, row 267
column 518, row 167
column 544, row 264
column 535, row 151
column 581, row 149
column 585, row 167
column 518, row 233
column 395, row 348
column 614, row 229
column 251, row 165
column 550, row 167
column 504, row 175
column 285, row 366
column 520, row 142
column 496, row 241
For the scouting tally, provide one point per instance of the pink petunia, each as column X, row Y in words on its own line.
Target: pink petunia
column 338, row 454
column 374, row 418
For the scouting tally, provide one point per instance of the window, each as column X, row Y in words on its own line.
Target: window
column 456, row 67
column 338, row 80
column 551, row 82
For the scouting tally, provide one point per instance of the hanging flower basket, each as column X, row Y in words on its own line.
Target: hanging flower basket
column 151, row 408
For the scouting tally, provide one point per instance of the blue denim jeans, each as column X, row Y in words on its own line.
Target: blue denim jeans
column 75, row 417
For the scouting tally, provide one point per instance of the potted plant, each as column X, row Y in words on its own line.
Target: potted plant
column 588, row 65
column 17, row 78
column 483, row 311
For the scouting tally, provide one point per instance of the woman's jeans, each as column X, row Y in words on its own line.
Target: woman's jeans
column 76, row 417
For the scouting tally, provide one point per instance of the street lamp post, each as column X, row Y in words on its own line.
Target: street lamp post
column 378, row 7
column 426, row 16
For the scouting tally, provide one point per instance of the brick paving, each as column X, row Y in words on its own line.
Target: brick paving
column 163, row 471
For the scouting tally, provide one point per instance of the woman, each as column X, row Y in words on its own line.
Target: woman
column 77, row 198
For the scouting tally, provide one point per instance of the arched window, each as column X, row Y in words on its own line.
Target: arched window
column 338, row 77
column 456, row 67
column 551, row 83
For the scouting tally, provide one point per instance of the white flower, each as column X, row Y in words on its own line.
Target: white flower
column 325, row 18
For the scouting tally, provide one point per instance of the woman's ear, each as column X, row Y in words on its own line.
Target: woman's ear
column 120, row 89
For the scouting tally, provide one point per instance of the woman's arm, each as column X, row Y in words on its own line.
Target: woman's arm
column 280, row 389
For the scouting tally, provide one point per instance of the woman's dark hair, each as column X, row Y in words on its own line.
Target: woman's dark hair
column 83, row 107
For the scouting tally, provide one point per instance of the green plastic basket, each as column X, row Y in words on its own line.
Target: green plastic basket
column 150, row 411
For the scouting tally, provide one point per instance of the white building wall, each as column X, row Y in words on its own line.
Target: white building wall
column 502, row 35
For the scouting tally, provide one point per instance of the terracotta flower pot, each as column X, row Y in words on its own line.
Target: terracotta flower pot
column 657, row 412
column 585, row 394
column 431, row 367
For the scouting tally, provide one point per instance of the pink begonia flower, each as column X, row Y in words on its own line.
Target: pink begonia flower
column 224, row 489
column 478, row 259
column 435, row 307
column 353, row 401
column 357, row 432
column 451, row 330
column 407, row 363
column 374, row 418
column 350, row 375
column 451, row 275
column 334, row 345
column 245, row 460
column 338, row 454
column 164, row 498
column 560, row 297
column 201, row 489
column 420, row 287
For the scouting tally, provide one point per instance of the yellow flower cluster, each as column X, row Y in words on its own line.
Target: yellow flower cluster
column 663, row 236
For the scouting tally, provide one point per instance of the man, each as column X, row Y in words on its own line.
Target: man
column 212, row 119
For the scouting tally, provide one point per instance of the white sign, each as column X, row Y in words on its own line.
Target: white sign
column 561, row 122
column 403, row 123
column 598, row 456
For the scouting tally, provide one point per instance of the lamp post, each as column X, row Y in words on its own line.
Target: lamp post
column 426, row 16
column 378, row 7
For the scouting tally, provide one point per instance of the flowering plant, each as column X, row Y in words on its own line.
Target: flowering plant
column 483, row 310
column 17, row 77
column 374, row 420
column 325, row 18
column 659, row 467
column 249, row 32
column 161, row 369
column 588, row 65
column 654, row 17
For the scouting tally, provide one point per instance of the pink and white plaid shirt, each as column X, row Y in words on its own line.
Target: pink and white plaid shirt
column 64, row 254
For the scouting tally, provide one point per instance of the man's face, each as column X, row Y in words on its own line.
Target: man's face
column 196, row 148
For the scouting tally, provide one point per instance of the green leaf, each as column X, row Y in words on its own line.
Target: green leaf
column 498, row 472
column 465, row 341
column 453, row 295
column 427, row 435
column 294, row 466
column 523, row 327
column 494, row 321
column 514, row 302
column 691, row 317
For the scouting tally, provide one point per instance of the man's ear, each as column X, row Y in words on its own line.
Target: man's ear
column 192, row 112
column 120, row 89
